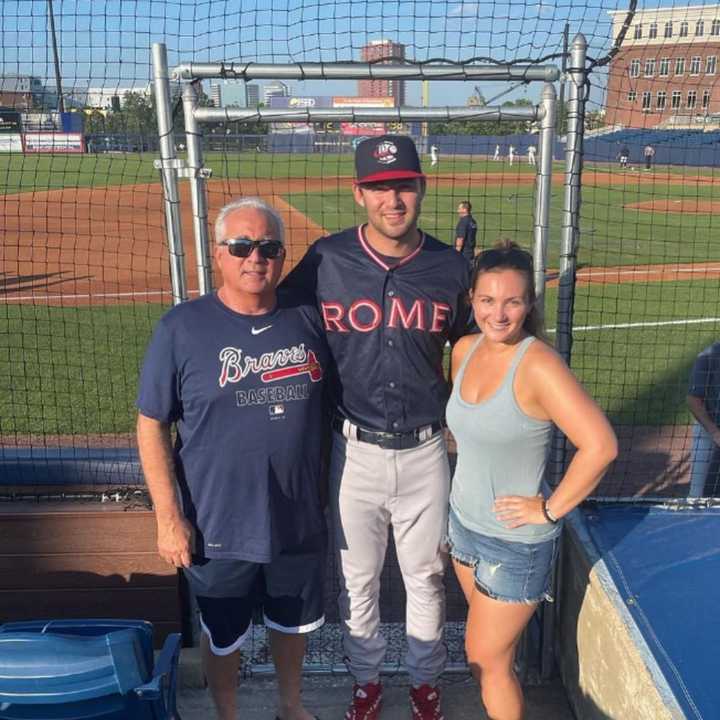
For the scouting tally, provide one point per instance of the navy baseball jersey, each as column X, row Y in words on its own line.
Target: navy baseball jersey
column 387, row 325
column 467, row 230
column 245, row 393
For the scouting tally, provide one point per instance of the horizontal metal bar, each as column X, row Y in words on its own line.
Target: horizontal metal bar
column 369, row 71
column 363, row 114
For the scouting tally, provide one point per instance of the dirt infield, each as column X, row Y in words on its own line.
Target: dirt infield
column 690, row 206
column 80, row 246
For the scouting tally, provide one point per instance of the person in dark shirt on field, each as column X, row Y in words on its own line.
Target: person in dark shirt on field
column 465, row 231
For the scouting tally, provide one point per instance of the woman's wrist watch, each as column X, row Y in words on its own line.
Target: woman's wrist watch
column 548, row 513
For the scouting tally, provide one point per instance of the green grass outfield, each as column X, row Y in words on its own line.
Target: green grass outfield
column 611, row 234
column 74, row 370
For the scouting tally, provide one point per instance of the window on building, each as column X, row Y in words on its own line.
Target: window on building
column 661, row 100
column 695, row 65
column 700, row 28
column 635, row 68
column 631, row 96
column 715, row 27
column 638, row 31
column 668, row 29
column 646, row 101
column 664, row 67
column 710, row 64
column 653, row 30
column 683, row 28
column 679, row 66
column 675, row 99
column 649, row 68
column 705, row 99
column 691, row 99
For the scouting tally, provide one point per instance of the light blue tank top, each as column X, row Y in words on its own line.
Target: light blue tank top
column 501, row 451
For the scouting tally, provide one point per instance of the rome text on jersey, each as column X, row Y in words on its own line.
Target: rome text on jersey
column 365, row 315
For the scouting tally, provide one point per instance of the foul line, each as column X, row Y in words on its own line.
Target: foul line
column 660, row 323
column 91, row 296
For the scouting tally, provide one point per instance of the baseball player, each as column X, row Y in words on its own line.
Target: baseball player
column 239, row 374
column 465, row 231
column 433, row 155
column 531, row 153
column 390, row 297
column 496, row 154
column 511, row 155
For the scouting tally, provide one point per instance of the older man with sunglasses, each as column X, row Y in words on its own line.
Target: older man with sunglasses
column 239, row 373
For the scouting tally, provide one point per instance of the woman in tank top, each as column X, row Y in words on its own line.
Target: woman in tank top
column 509, row 389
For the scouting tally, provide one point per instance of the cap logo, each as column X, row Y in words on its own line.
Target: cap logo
column 386, row 152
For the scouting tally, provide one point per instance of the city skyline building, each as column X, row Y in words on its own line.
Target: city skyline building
column 377, row 50
column 276, row 88
column 216, row 94
column 252, row 95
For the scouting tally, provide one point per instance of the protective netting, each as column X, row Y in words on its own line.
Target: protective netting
column 85, row 270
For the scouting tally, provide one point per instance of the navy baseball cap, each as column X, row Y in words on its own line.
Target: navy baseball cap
column 388, row 157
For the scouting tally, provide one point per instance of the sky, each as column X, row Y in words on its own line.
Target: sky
column 106, row 43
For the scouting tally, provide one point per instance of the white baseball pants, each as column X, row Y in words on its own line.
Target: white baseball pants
column 372, row 489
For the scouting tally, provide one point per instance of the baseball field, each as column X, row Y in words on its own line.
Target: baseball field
column 85, row 276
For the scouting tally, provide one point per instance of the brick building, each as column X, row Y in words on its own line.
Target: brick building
column 666, row 73
column 377, row 50
column 21, row 92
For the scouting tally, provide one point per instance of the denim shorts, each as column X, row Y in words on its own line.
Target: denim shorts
column 509, row 571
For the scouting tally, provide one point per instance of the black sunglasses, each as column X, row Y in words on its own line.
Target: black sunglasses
column 243, row 247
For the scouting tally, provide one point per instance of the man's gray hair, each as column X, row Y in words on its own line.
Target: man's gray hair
column 254, row 203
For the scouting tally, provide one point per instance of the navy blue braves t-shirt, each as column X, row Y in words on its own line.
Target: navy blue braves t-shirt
column 245, row 393
column 387, row 325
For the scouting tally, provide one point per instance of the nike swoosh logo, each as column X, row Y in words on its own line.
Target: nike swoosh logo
column 257, row 331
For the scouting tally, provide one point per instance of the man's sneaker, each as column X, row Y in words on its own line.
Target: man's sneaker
column 425, row 703
column 366, row 702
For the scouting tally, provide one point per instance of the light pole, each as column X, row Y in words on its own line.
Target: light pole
column 56, row 59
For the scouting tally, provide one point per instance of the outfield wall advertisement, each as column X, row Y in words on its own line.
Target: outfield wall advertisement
column 49, row 142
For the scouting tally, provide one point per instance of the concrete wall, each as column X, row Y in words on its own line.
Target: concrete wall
column 606, row 667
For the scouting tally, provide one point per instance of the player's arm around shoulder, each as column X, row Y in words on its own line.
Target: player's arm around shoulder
column 550, row 390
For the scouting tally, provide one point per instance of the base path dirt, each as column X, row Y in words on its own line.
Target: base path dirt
column 690, row 206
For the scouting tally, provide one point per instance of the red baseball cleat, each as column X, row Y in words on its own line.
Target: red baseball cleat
column 366, row 702
column 425, row 703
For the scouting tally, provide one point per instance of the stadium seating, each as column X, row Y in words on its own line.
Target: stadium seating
column 86, row 669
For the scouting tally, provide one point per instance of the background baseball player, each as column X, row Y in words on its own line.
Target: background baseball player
column 390, row 296
column 239, row 373
column 465, row 231
column 433, row 155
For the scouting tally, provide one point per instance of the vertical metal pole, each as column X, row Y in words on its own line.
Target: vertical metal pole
column 168, row 165
column 56, row 58
column 563, row 68
column 198, row 194
column 543, row 183
column 570, row 223
column 569, row 238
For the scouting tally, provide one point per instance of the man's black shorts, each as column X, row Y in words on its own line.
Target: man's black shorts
column 289, row 589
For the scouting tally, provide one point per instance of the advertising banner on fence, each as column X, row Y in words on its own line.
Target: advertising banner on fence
column 10, row 143
column 367, row 129
column 315, row 101
column 47, row 142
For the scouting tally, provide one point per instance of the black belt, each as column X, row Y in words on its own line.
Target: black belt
column 389, row 440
